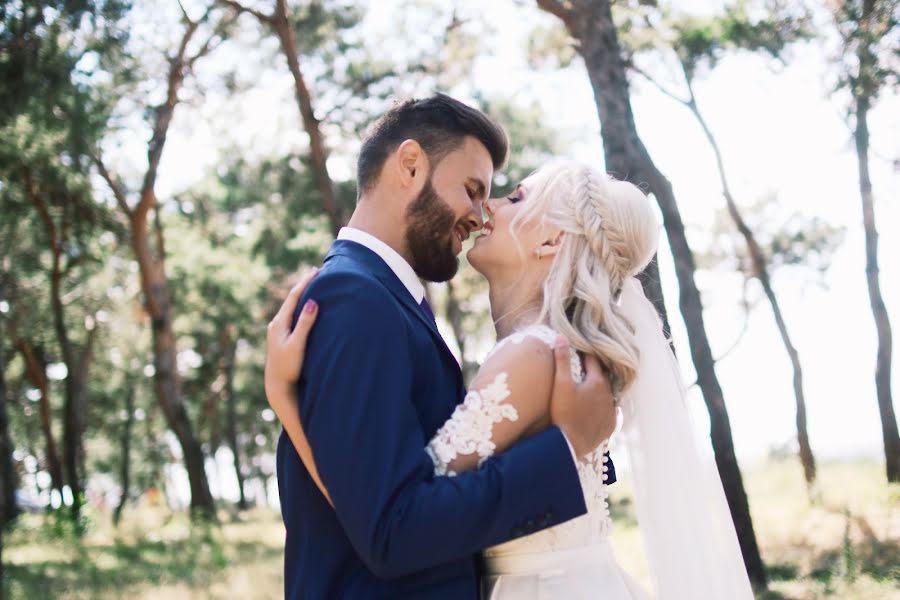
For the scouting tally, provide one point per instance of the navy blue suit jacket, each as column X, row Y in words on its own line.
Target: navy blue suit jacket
column 378, row 381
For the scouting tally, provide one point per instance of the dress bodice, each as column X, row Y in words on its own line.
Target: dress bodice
column 596, row 524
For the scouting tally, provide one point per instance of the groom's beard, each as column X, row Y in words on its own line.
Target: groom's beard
column 429, row 234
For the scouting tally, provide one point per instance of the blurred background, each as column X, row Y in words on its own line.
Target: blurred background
column 167, row 169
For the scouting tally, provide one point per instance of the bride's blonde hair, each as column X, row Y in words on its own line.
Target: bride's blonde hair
column 611, row 233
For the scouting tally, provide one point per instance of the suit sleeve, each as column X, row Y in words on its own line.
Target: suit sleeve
column 355, row 399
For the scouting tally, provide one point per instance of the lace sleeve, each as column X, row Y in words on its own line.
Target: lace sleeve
column 470, row 428
column 509, row 397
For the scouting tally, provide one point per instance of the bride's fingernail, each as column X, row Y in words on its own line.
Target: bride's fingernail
column 561, row 342
column 310, row 307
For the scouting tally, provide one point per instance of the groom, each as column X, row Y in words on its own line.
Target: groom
column 378, row 381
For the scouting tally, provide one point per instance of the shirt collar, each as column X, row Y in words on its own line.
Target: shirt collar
column 397, row 263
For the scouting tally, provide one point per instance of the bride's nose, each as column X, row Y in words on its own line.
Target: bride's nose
column 489, row 207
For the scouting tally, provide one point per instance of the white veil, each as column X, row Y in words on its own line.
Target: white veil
column 692, row 548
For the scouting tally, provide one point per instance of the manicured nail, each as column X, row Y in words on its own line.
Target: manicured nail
column 561, row 342
column 310, row 307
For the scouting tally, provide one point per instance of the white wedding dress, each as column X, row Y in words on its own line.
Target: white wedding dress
column 690, row 543
column 573, row 560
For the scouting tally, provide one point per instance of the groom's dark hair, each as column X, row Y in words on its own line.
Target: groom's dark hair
column 439, row 124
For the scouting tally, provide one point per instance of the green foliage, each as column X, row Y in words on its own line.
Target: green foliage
column 274, row 204
column 869, row 45
column 769, row 29
column 787, row 240
column 430, row 47
column 550, row 47
column 763, row 27
column 531, row 144
column 50, row 123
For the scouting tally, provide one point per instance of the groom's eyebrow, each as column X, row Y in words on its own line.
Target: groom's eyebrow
column 479, row 187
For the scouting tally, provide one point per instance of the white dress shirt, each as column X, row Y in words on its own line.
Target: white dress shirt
column 404, row 272
column 402, row 269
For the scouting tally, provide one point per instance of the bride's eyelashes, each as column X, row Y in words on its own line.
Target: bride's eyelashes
column 513, row 199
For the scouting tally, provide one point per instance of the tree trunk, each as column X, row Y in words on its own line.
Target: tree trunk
column 77, row 363
column 166, row 382
column 229, row 348
column 652, row 285
column 125, row 445
column 455, row 318
column 154, row 282
column 8, row 480
column 155, row 456
column 280, row 21
column 281, row 24
column 879, row 311
column 591, row 23
column 36, row 368
column 761, row 272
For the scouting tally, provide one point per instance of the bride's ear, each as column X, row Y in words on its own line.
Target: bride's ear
column 551, row 246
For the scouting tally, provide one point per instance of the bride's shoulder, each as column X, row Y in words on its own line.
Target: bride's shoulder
column 523, row 369
column 526, row 355
column 533, row 337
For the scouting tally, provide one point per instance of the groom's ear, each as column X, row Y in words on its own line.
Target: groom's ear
column 411, row 163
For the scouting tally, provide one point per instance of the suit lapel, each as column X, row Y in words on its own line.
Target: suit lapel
column 375, row 265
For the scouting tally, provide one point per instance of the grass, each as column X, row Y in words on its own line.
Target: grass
column 152, row 555
column 844, row 544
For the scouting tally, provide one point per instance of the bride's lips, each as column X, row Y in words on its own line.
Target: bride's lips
column 486, row 230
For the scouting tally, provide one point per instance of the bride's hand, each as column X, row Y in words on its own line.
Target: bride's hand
column 285, row 349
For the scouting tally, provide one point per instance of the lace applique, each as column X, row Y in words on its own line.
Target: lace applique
column 469, row 429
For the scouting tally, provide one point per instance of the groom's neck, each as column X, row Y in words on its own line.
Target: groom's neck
column 379, row 221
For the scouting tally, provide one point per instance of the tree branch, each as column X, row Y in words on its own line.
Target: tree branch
column 555, row 7
column 114, row 185
column 164, row 112
column 658, row 85
column 160, row 239
column 211, row 42
column 240, row 8
column 745, row 305
column 42, row 210
column 184, row 12
column 87, row 352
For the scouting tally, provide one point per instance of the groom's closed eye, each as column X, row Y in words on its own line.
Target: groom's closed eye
column 475, row 188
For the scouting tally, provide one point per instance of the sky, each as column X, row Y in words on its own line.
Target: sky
column 782, row 134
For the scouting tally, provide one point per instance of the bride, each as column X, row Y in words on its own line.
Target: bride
column 560, row 255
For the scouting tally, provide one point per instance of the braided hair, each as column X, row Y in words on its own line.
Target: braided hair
column 611, row 234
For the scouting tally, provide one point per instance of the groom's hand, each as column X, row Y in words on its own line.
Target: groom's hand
column 585, row 412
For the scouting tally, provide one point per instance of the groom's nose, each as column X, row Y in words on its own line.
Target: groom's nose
column 474, row 219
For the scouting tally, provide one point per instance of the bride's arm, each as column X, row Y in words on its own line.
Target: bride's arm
column 508, row 400
column 285, row 350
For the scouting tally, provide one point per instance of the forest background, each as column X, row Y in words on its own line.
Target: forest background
column 167, row 169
